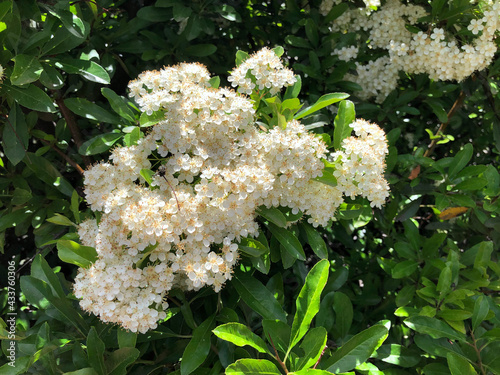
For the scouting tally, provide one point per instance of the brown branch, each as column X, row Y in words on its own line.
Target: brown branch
column 66, row 157
column 458, row 103
column 283, row 366
column 73, row 127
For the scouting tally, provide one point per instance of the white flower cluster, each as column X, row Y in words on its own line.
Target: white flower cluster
column 435, row 53
column 214, row 168
column 327, row 5
column 263, row 70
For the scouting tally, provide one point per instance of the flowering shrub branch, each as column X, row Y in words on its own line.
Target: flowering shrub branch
column 176, row 204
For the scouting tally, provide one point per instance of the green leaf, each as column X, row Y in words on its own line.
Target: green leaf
column 343, row 313
column 95, row 350
column 70, row 21
column 458, row 365
column 87, row 69
column 398, row 355
column 15, row 135
column 200, row 50
column 51, row 78
column 322, row 102
column 118, row 361
column 327, row 178
column 258, row 297
column 198, row 348
column 252, row 247
column 126, row 339
column 149, row 120
column 119, row 104
column 438, row 110
column 312, row 371
column 30, row 97
column 131, row 138
column 278, row 333
column 248, row 366
column 357, row 350
column 481, row 310
column 39, row 293
column 27, row 69
column 294, row 90
column 404, row 269
column 84, row 108
column 297, row 41
column 241, row 335
column 99, row 144
column 315, row 240
column 308, row 301
column 41, row 270
column 313, row 345
column 273, row 215
column 290, row 243
column 147, row 174
column 345, row 116
column 49, row 174
column 433, row 327
column 74, row 253
column 241, row 56
column 59, row 219
column 460, row 160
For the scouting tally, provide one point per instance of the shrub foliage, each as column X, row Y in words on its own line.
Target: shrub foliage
column 410, row 287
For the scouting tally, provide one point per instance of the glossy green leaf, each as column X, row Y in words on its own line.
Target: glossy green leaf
column 241, row 335
column 15, row 135
column 48, row 173
column 41, row 270
column 149, row 120
column 288, row 240
column 343, row 313
column 357, row 350
column 460, row 160
column 459, row 366
column 99, row 144
column 433, row 327
column 120, row 359
column 119, row 104
column 258, row 297
column 27, row 69
column 61, row 220
column 74, row 253
column 294, row 90
column 308, row 300
column 481, row 310
column 95, row 350
column 404, row 269
column 310, row 371
column 345, row 116
column 277, row 333
column 398, row 355
column 327, row 178
column 84, row 108
column 200, row 50
column 89, row 70
column 273, row 215
column 30, row 97
column 313, row 345
column 252, row 247
column 126, row 339
column 315, row 240
column 198, row 348
column 438, row 110
column 248, row 366
column 51, row 78
column 322, row 102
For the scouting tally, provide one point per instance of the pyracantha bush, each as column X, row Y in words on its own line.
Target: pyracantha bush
column 434, row 51
column 175, row 205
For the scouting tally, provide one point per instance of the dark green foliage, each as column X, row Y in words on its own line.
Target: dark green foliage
column 411, row 288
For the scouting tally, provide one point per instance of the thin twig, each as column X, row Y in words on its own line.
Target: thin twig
column 283, row 366
column 458, row 103
column 162, row 174
column 73, row 127
column 66, row 157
